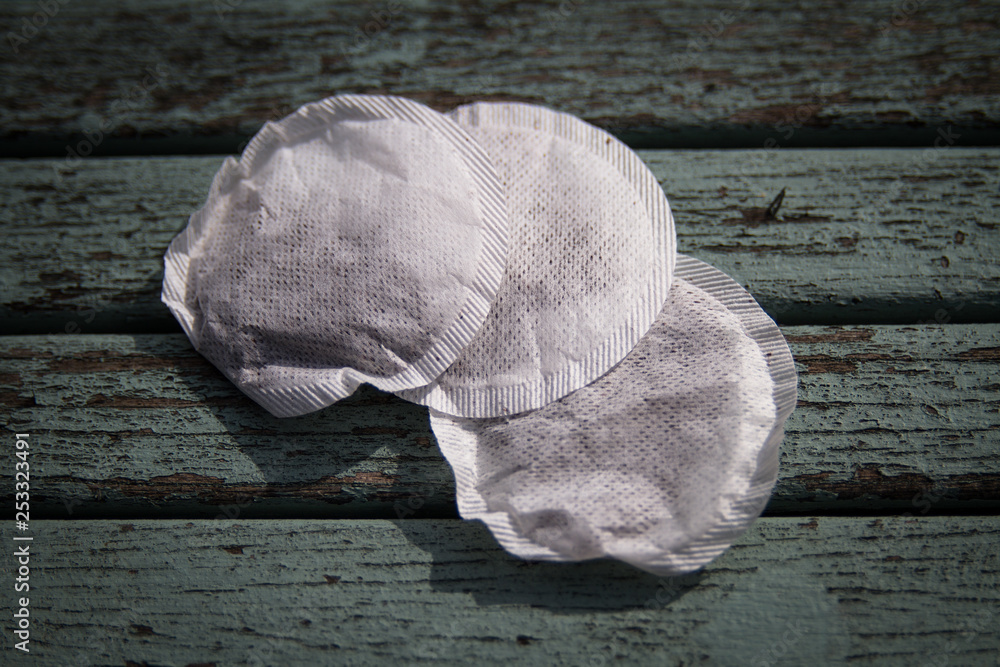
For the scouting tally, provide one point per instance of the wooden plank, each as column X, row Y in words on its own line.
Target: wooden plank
column 889, row 236
column 864, row 591
column 183, row 76
column 891, row 419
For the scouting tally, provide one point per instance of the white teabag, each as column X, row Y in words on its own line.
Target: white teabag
column 360, row 239
column 592, row 249
column 663, row 462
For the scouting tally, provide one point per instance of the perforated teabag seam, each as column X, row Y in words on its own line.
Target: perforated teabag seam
column 330, row 255
column 592, row 249
column 662, row 462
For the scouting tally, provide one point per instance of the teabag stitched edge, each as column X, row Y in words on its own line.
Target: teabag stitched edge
column 683, row 547
column 580, row 194
column 316, row 390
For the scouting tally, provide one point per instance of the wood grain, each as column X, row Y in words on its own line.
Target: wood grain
column 159, row 75
column 890, row 419
column 825, row 590
column 175, row 523
column 884, row 236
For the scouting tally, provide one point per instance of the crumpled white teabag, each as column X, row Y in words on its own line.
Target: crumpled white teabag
column 360, row 239
column 592, row 250
column 662, row 462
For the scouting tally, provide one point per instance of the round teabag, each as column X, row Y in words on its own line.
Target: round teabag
column 591, row 256
column 359, row 239
column 663, row 462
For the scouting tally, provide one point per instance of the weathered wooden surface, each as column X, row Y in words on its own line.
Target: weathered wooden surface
column 891, row 419
column 895, row 236
column 203, row 75
column 793, row 591
column 341, row 544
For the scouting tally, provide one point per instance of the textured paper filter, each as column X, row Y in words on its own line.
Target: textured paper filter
column 360, row 239
column 592, row 249
column 662, row 462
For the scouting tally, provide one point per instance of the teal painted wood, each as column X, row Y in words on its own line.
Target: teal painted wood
column 891, row 419
column 198, row 75
column 825, row 591
column 862, row 236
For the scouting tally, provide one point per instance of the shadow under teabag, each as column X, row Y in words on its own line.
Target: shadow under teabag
column 466, row 559
column 293, row 454
column 341, row 461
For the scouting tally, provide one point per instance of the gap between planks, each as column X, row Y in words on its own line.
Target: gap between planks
column 890, row 420
column 664, row 73
column 866, row 236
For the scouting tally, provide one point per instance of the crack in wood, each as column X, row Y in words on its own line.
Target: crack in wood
column 869, row 480
column 214, row 490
